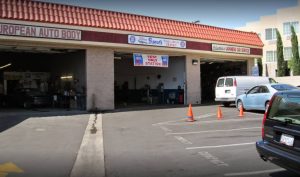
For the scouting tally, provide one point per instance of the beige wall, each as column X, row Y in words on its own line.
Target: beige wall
column 100, row 78
column 274, row 21
column 193, row 84
column 294, row 80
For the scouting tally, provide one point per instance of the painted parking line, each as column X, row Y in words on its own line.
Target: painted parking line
column 220, row 146
column 213, row 131
column 254, row 172
column 180, row 120
column 215, row 121
column 183, row 140
column 213, row 159
column 165, row 128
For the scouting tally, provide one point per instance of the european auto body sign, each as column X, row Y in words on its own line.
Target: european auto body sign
column 150, row 60
column 39, row 32
column 155, row 41
column 230, row 49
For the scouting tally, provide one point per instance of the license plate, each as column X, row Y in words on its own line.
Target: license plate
column 287, row 139
column 227, row 91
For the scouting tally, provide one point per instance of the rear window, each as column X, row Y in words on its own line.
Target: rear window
column 271, row 81
column 220, row 83
column 283, row 87
column 286, row 108
column 229, row 82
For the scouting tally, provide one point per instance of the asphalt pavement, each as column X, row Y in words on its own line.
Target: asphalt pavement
column 161, row 143
column 133, row 143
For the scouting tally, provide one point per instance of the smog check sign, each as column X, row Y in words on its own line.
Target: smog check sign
column 39, row 32
column 150, row 60
column 230, row 49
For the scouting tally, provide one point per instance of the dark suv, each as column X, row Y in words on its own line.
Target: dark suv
column 280, row 142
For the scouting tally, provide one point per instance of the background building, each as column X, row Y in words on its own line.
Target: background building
column 266, row 29
column 113, row 59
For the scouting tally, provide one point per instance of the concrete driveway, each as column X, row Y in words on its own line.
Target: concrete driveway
column 39, row 144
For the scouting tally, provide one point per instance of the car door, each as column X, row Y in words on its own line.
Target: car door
column 249, row 99
column 261, row 97
column 219, row 92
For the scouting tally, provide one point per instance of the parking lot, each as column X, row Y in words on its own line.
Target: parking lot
column 162, row 143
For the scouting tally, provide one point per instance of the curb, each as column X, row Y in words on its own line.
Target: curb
column 90, row 158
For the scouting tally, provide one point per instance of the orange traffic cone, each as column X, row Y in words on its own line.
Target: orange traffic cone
column 190, row 114
column 219, row 113
column 241, row 112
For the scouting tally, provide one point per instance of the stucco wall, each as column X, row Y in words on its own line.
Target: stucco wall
column 292, row 80
column 193, row 84
column 100, row 78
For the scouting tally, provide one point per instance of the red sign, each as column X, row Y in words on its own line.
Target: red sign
column 39, row 32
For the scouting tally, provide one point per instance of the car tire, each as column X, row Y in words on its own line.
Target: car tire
column 239, row 104
column 226, row 104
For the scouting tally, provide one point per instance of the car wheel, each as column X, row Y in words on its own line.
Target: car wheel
column 239, row 105
column 225, row 104
column 267, row 105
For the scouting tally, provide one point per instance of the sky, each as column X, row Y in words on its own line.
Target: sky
column 221, row 13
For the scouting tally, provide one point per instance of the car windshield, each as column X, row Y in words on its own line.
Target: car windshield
column 286, row 108
column 282, row 87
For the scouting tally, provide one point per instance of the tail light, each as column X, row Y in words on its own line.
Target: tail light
column 265, row 117
column 234, row 83
column 263, row 126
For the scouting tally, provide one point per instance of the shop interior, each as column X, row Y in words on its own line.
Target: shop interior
column 32, row 76
column 141, row 85
column 212, row 69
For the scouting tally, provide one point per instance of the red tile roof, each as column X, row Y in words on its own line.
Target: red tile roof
column 29, row 10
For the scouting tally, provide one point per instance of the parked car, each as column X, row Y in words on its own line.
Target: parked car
column 28, row 97
column 280, row 142
column 258, row 97
column 229, row 87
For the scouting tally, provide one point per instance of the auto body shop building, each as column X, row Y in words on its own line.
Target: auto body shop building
column 117, row 58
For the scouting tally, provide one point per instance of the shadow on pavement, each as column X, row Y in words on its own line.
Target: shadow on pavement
column 11, row 117
column 130, row 108
column 284, row 174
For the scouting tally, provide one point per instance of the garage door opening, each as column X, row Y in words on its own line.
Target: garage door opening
column 211, row 70
column 140, row 85
column 32, row 76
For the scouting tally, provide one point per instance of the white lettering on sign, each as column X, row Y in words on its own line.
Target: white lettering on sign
column 150, row 60
column 230, row 49
column 154, row 41
column 39, row 32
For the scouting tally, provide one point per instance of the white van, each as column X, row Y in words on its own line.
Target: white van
column 229, row 87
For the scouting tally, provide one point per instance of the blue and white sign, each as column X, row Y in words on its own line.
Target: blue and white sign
column 150, row 60
column 255, row 71
column 154, row 41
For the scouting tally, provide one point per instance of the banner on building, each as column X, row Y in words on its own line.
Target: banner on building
column 150, row 60
column 39, row 32
column 155, row 41
column 230, row 49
